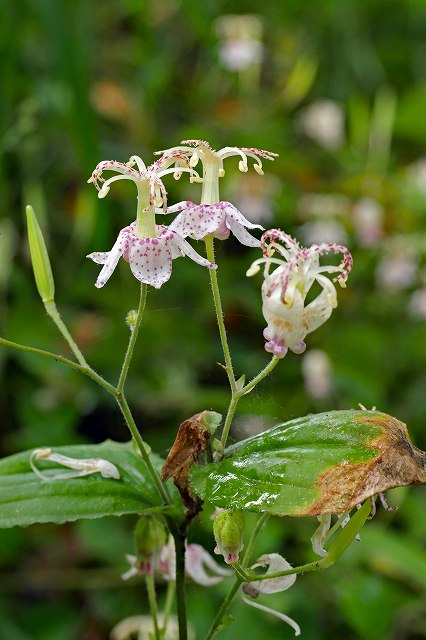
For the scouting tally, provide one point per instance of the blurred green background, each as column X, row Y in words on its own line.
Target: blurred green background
column 338, row 89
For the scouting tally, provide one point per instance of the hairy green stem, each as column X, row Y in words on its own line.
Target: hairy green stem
column 219, row 314
column 120, row 398
column 133, row 338
column 53, row 312
column 152, row 599
column 171, row 588
column 86, row 370
column 218, row 621
column 236, row 395
column 256, row 530
column 127, row 414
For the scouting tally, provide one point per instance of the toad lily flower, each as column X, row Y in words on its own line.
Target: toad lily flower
column 217, row 220
column 284, row 290
column 150, row 259
column 214, row 217
column 274, row 563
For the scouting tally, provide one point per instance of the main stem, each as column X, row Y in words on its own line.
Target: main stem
column 179, row 536
column 219, row 314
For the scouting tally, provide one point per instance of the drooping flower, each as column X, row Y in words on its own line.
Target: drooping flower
column 274, row 563
column 199, row 565
column 217, row 220
column 150, row 259
column 284, row 290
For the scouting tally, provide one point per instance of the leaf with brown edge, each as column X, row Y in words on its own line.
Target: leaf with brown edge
column 321, row 463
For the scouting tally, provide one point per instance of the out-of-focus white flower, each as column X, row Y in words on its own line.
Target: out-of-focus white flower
column 217, row 220
column 417, row 303
column 416, row 173
column 240, row 46
column 368, row 222
column 397, row 271
column 274, row 563
column 323, row 205
column 284, row 290
column 323, row 121
column 316, row 369
column 199, row 565
column 150, row 259
column 317, row 231
column 142, row 628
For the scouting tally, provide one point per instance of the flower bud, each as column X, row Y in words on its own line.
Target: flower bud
column 40, row 258
column 228, row 529
column 131, row 319
column 150, row 537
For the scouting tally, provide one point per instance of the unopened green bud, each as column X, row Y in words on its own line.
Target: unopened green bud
column 131, row 318
column 40, row 258
column 228, row 529
column 150, row 537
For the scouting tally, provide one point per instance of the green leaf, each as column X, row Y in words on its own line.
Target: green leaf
column 26, row 499
column 322, row 463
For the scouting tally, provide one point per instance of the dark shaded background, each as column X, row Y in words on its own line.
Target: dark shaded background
column 339, row 91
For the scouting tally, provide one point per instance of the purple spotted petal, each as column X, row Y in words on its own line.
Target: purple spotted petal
column 150, row 260
column 199, row 221
column 186, row 248
column 232, row 213
column 111, row 258
column 242, row 234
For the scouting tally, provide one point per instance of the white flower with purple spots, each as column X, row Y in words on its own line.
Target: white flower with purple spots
column 150, row 259
column 284, row 290
column 217, row 220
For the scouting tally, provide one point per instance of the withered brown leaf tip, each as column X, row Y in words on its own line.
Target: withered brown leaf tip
column 191, row 441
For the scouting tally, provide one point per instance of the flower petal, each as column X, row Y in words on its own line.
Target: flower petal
column 275, row 563
column 233, row 214
column 184, row 246
column 197, row 558
column 241, row 234
column 150, row 260
column 110, row 259
column 277, row 614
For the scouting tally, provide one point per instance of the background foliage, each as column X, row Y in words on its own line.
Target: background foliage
column 340, row 94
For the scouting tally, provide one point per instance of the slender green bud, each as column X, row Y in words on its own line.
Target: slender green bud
column 228, row 529
column 150, row 537
column 40, row 258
